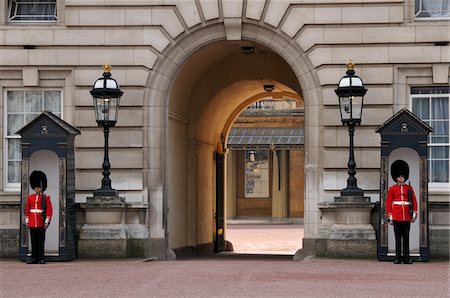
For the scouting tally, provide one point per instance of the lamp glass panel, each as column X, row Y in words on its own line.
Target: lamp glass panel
column 357, row 102
column 344, row 82
column 111, row 84
column 345, row 105
column 356, row 81
column 98, row 84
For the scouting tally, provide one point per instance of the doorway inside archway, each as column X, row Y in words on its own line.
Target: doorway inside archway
column 210, row 92
column 265, row 198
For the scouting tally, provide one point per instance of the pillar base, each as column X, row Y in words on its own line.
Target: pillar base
column 346, row 229
column 109, row 232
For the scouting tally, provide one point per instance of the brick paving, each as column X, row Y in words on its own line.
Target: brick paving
column 229, row 274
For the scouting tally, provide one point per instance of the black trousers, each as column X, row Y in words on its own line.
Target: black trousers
column 401, row 231
column 37, row 244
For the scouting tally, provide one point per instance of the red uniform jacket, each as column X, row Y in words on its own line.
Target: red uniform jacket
column 397, row 202
column 33, row 210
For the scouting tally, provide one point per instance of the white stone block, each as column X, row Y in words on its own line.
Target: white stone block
column 232, row 8
column 49, row 57
column 370, row 158
column 395, row 34
column 330, row 179
column 210, row 9
column 120, row 159
column 144, row 57
column 329, row 76
column 376, row 116
column 233, row 28
column 440, row 73
column 122, row 179
column 379, row 96
column 100, row 56
column 119, row 138
column 297, row 17
column 155, row 38
column 329, row 137
column 167, row 18
column 2, row 37
column 136, row 77
column 432, row 32
column 396, row 14
column 188, row 10
column 123, row 37
column 335, row 158
column 102, row 17
column 365, row 15
column 29, row 37
column 327, row 15
column 138, row 17
column 364, row 136
column 276, row 11
column 319, row 56
column 30, row 76
column 84, row 2
column 72, row 17
column 13, row 57
column 335, row 35
column 127, row 117
column 416, row 54
column 377, row 74
column 445, row 54
column 86, row 77
column 254, row 9
column 309, row 37
column 79, row 37
column 358, row 55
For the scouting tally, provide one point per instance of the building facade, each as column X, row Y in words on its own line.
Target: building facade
column 188, row 69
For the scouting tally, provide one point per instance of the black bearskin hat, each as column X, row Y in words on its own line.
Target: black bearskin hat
column 398, row 168
column 38, row 179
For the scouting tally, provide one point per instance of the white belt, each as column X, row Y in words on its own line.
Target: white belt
column 401, row 203
column 36, row 211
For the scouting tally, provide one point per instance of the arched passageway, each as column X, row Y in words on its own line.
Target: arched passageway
column 215, row 82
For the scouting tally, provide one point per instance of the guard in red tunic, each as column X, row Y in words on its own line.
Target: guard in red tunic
column 38, row 214
column 400, row 201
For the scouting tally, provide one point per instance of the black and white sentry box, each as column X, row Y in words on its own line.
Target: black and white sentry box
column 404, row 137
column 48, row 145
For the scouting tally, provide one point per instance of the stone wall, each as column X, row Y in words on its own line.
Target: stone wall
column 146, row 43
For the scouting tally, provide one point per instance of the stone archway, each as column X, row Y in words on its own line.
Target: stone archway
column 178, row 117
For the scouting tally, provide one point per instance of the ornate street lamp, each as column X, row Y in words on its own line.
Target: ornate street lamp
column 106, row 94
column 351, row 93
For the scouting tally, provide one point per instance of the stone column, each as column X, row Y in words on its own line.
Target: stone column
column 205, row 197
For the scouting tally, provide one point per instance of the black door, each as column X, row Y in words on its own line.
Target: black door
column 219, row 243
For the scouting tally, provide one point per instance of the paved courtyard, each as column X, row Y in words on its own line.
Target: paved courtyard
column 282, row 239
column 248, row 273
column 225, row 276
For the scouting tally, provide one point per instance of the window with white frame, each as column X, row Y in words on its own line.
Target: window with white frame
column 32, row 10
column 431, row 104
column 22, row 106
column 432, row 8
column 257, row 174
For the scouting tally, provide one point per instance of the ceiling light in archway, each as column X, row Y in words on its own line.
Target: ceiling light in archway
column 248, row 50
column 269, row 87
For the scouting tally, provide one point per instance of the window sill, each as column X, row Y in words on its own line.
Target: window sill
column 427, row 19
column 439, row 188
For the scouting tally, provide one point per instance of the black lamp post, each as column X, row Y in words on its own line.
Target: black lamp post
column 106, row 94
column 351, row 93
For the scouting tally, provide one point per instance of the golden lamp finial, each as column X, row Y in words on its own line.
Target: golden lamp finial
column 106, row 68
column 350, row 65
